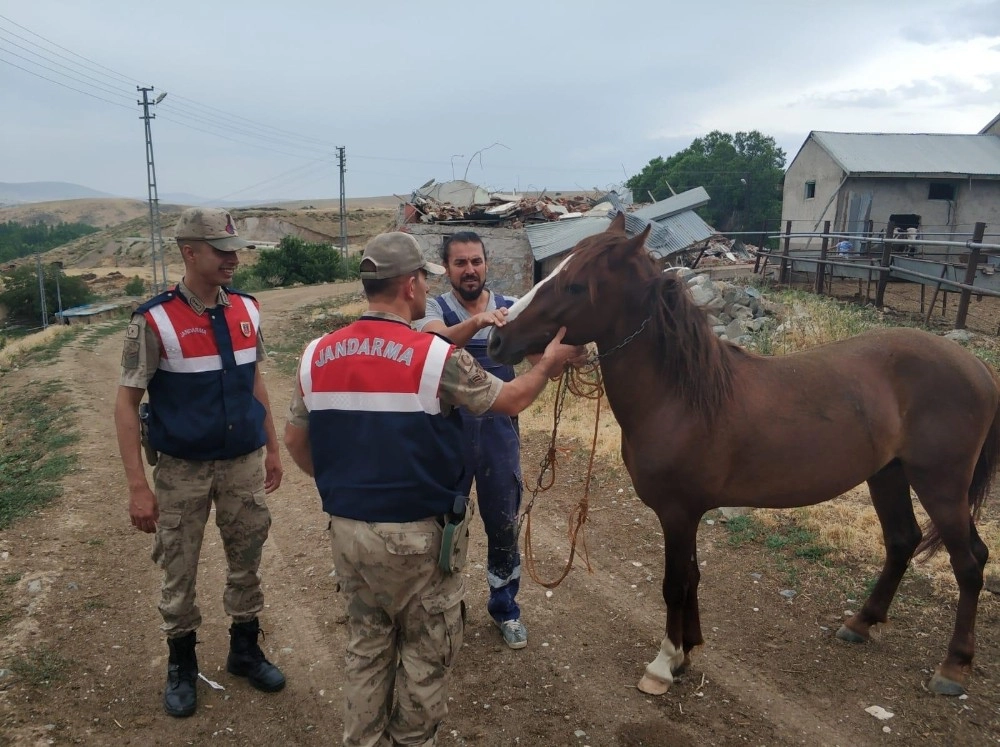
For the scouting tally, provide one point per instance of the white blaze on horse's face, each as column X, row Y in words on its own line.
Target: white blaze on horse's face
column 522, row 303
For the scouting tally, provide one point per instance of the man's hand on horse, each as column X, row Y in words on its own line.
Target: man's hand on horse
column 495, row 318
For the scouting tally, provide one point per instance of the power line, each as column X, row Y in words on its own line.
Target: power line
column 228, row 115
column 85, row 93
column 54, row 44
column 51, row 52
column 101, row 87
column 277, row 178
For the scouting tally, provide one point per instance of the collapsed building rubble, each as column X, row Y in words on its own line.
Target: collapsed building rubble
column 463, row 202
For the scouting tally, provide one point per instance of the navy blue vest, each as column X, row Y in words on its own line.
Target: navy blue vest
column 478, row 347
column 201, row 403
column 375, row 461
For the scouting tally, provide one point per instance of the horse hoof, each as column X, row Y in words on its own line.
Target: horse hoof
column 653, row 685
column 944, row 686
column 846, row 634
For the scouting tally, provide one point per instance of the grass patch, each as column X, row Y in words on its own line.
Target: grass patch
column 811, row 320
column 745, row 529
column 286, row 345
column 95, row 604
column 10, row 579
column 40, row 667
column 92, row 336
column 34, row 431
column 39, row 347
column 784, row 539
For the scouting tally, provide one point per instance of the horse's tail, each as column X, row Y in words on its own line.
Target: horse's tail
column 982, row 478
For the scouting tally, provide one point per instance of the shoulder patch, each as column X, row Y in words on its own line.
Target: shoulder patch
column 132, row 333
column 130, row 355
column 470, row 368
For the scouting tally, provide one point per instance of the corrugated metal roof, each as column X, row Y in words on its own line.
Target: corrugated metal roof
column 90, row 309
column 558, row 236
column 676, row 230
column 689, row 200
column 918, row 154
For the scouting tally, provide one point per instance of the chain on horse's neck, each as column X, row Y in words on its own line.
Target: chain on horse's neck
column 623, row 343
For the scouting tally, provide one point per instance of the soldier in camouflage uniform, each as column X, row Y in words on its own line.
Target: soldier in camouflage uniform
column 374, row 420
column 195, row 350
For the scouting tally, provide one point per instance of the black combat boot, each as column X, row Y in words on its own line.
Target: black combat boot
column 181, row 695
column 247, row 660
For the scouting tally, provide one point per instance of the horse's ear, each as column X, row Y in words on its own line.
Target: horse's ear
column 630, row 247
column 617, row 224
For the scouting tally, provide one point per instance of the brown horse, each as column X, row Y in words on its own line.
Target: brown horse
column 706, row 424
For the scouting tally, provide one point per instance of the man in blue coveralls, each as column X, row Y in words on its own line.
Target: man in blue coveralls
column 492, row 446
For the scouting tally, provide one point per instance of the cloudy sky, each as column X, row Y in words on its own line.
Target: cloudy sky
column 549, row 95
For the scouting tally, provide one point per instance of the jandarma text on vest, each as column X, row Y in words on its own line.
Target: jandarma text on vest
column 365, row 346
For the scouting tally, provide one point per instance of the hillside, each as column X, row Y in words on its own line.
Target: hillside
column 98, row 212
column 108, row 258
column 17, row 192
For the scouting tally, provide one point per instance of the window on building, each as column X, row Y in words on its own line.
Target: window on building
column 810, row 190
column 941, row 191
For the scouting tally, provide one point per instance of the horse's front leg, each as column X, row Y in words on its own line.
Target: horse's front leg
column 679, row 589
column 692, row 618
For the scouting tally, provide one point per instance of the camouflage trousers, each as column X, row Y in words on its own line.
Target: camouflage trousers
column 185, row 491
column 405, row 625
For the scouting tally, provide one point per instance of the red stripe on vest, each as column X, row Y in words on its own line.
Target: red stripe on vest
column 194, row 331
column 376, row 356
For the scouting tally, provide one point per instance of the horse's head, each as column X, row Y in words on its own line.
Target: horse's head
column 586, row 293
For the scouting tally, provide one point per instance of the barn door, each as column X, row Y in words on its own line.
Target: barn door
column 859, row 210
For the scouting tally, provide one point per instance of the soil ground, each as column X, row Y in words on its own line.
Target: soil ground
column 78, row 601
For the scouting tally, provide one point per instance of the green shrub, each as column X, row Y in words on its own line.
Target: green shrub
column 246, row 280
column 135, row 287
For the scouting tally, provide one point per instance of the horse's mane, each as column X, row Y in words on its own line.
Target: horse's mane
column 687, row 351
column 693, row 356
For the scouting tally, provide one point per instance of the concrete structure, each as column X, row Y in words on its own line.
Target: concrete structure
column 507, row 252
column 941, row 185
column 94, row 313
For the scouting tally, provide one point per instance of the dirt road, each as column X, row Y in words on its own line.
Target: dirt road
column 84, row 592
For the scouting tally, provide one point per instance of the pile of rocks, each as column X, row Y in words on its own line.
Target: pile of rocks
column 734, row 311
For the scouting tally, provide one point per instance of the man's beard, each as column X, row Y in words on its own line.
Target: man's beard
column 469, row 294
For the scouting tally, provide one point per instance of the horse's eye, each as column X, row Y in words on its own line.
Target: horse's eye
column 575, row 289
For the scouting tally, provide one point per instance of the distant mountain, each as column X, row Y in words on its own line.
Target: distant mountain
column 179, row 198
column 20, row 192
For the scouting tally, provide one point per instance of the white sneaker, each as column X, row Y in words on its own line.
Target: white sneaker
column 515, row 635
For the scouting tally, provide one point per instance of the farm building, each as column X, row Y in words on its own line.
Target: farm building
column 94, row 313
column 940, row 185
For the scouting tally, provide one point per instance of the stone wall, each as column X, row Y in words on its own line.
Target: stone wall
column 508, row 255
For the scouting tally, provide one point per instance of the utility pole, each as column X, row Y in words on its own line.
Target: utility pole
column 57, row 267
column 342, row 160
column 41, row 290
column 155, row 237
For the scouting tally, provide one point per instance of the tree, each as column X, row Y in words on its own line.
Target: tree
column 298, row 261
column 20, row 292
column 17, row 240
column 742, row 173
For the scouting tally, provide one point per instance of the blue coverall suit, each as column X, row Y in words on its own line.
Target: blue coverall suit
column 492, row 450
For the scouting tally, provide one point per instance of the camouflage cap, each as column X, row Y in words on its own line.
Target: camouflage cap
column 390, row 255
column 213, row 225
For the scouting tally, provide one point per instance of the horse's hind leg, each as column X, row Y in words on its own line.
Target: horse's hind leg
column 890, row 493
column 946, row 503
